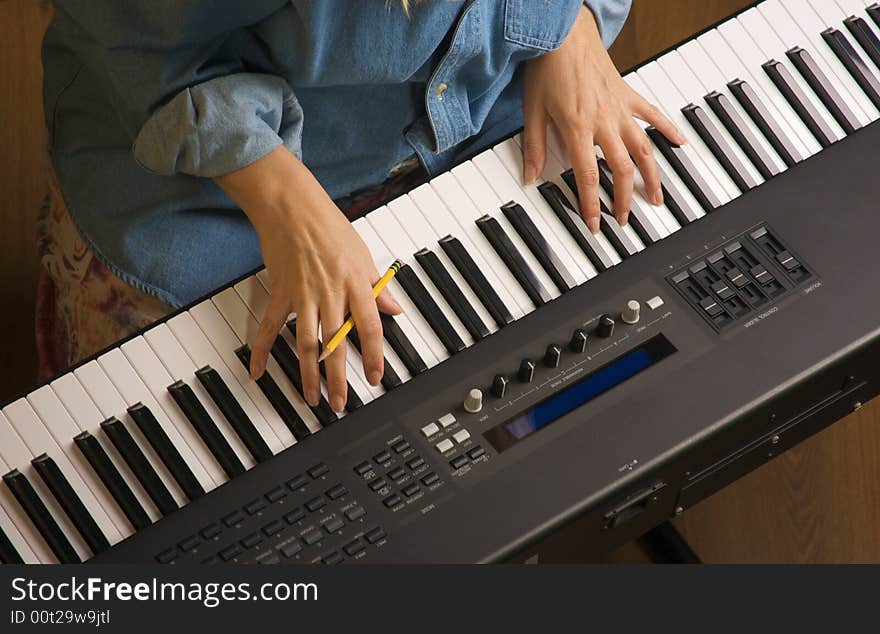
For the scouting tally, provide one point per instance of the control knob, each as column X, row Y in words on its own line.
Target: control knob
column 552, row 356
column 473, row 402
column 606, row 326
column 630, row 312
column 499, row 386
column 578, row 343
column 526, row 371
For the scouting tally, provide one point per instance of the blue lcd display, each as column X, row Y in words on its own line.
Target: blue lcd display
column 580, row 393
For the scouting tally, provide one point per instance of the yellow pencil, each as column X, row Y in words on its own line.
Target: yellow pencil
column 342, row 333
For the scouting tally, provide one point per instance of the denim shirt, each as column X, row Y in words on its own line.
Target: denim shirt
column 146, row 100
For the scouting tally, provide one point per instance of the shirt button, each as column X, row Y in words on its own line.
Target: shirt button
column 440, row 89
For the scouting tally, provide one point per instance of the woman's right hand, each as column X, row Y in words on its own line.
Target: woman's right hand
column 318, row 266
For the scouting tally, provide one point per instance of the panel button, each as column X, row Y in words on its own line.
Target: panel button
column 294, row 484
column 234, row 518
column 375, row 534
column 476, row 452
column 332, row 558
column 396, row 473
column 430, row 479
column 458, row 462
column 190, row 543
column 444, row 445
column 461, row 435
column 276, row 494
column 252, row 540
column 230, row 552
column 318, row 470
column 295, row 515
column 655, row 302
column 291, row 549
column 312, row 537
column 378, row 483
column 415, row 463
column 315, row 503
column 392, row 500
column 273, row 528
column 167, row 556
column 333, row 524
column 355, row 513
column 711, row 307
column 336, row 492
column 446, row 420
column 254, row 507
column 269, row 560
column 382, row 457
column 411, row 489
column 400, row 446
column 354, row 547
column 363, row 468
column 430, row 429
column 211, row 531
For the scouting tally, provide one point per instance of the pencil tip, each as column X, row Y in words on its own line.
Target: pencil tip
column 323, row 355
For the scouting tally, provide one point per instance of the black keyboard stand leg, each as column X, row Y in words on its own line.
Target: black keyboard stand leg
column 665, row 545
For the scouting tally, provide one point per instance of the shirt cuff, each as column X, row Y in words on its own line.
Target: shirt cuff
column 610, row 16
column 220, row 126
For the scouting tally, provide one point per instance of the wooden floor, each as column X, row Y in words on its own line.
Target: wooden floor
column 817, row 503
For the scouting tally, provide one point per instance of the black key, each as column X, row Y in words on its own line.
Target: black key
column 450, row 291
column 799, row 102
column 462, row 260
column 741, row 133
column 390, row 378
column 865, row 36
column 276, row 397
column 352, row 400
column 719, row 147
column 642, row 228
column 401, row 345
column 426, row 305
column 538, row 245
column 158, row 439
column 8, row 553
column 206, row 428
column 57, row 483
column 823, row 88
column 36, row 510
column 854, row 63
column 751, row 103
column 100, row 462
column 289, row 363
column 505, row 249
column 139, row 465
column 685, row 169
column 575, row 226
column 233, row 412
column 874, row 11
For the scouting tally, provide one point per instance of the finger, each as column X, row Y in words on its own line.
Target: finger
column 649, row 113
column 622, row 170
column 534, row 144
column 642, row 151
column 270, row 326
column 387, row 304
column 369, row 327
column 307, row 350
column 586, row 173
column 332, row 318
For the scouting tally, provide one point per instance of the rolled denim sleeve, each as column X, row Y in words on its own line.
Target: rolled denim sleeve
column 610, row 16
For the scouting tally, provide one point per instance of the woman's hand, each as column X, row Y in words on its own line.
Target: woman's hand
column 578, row 89
column 318, row 267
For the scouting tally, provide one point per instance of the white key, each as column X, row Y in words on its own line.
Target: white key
column 85, row 413
column 192, row 449
column 773, row 48
column 414, row 326
column 111, row 403
column 796, row 24
column 35, row 549
column 61, row 448
column 693, row 92
column 670, row 100
column 507, row 185
column 510, row 154
column 422, row 235
column 711, row 77
column 18, row 541
column 438, row 219
column 18, row 455
column 736, row 54
column 202, row 353
column 556, row 164
column 487, row 201
column 398, row 242
column 181, row 367
column 463, row 210
column 245, row 326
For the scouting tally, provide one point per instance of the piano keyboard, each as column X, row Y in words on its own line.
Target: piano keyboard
column 144, row 429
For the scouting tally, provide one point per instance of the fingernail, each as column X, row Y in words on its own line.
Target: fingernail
column 658, row 196
column 530, row 174
column 397, row 306
column 375, row 377
column 593, row 224
column 313, row 397
column 337, row 404
column 623, row 218
column 256, row 372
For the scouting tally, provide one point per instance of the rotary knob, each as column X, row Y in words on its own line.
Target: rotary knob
column 526, row 371
column 552, row 356
column 499, row 386
column 606, row 326
column 473, row 402
column 630, row 312
column 578, row 343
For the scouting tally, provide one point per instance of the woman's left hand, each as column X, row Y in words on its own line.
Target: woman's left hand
column 578, row 89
